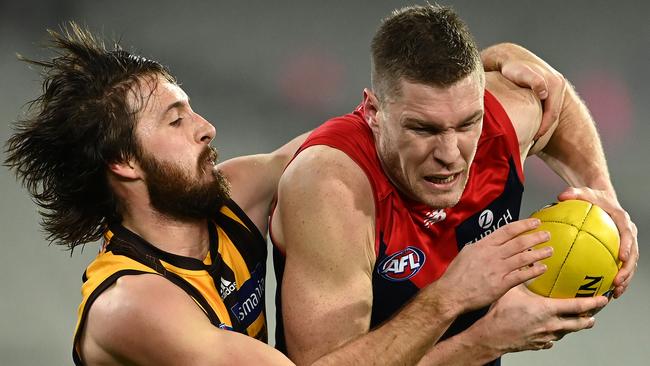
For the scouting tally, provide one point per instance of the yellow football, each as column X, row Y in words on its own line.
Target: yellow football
column 585, row 244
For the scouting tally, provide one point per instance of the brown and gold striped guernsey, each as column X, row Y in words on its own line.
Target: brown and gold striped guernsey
column 228, row 285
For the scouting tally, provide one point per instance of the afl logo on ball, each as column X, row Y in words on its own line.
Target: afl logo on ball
column 402, row 265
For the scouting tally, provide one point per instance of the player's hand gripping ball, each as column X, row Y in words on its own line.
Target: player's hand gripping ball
column 585, row 245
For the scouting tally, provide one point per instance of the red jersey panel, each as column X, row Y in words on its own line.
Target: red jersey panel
column 414, row 244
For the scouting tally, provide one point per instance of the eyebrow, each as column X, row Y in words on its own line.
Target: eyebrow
column 473, row 117
column 177, row 104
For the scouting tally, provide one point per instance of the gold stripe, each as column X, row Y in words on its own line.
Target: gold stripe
column 203, row 282
column 232, row 258
column 228, row 212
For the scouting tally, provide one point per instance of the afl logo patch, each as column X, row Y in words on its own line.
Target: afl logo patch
column 402, row 265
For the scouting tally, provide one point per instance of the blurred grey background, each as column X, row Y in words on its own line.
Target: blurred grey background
column 265, row 71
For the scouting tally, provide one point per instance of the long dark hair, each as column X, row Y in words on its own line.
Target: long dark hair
column 80, row 123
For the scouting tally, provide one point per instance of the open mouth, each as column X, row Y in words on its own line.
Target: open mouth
column 209, row 155
column 207, row 159
column 442, row 179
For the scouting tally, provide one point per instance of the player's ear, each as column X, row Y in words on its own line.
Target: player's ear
column 127, row 169
column 371, row 107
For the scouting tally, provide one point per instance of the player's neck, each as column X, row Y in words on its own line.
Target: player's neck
column 189, row 238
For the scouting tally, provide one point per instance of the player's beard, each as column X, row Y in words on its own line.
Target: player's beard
column 176, row 195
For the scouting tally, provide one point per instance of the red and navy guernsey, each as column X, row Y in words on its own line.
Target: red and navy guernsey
column 414, row 244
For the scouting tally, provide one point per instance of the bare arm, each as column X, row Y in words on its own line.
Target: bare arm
column 520, row 320
column 525, row 69
column 325, row 224
column 147, row 320
column 523, row 109
column 254, row 180
column 575, row 153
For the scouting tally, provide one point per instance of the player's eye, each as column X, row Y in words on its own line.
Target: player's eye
column 469, row 125
column 176, row 123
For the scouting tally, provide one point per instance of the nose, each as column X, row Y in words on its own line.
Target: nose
column 205, row 131
column 447, row 151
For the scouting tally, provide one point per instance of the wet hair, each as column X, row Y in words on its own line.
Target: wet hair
column 426, row 44
column 79, row 124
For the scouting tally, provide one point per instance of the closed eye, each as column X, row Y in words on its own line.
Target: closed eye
column 176, row 123
column 426, row 130
column 469, row 125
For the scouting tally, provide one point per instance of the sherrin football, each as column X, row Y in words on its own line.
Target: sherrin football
column 585, row 245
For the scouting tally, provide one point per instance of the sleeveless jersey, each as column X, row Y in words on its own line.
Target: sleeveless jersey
column 228, row 285
column 414, row 244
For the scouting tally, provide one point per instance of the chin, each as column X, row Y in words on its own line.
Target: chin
column 441, row 201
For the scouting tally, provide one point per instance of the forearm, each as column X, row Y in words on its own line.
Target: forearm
column 402, row 340
column 464, row 349
column 574, row 151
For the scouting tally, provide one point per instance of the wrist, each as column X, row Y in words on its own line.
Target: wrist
column 604, row 184
column 465, row 348
column 442, row 298
column 478, row 339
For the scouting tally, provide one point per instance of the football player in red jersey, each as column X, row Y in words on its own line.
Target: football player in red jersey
column 377, row 212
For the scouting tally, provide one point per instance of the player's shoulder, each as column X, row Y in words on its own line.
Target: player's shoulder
column 132, row 306
column 521, row 104
column 509, row 94
column 132, row 292
column 322, row 165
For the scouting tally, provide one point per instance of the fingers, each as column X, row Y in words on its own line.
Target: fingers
column 510, row 231
column 566, row 325
column 523, row 265
column 548, row 345
column 628, row 231
column 572, row 193
column 548, row 84
column 524, row 76
column 519, row 276
column 625, row 275
column 524, row 242
column 580, row 305
column 553, row 103
column 626, row 272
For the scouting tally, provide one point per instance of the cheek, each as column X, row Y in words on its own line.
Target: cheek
column 467, row 144
column 414, row 152
column 417, row 146
column 171, row 150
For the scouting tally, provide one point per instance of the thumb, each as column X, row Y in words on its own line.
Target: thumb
column 570, row 193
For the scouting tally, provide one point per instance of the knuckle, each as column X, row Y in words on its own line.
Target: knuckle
column 626, row 215
column 510, row 229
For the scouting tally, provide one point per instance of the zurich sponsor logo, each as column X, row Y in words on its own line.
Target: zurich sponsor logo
column 485, row 219
column 402, row 265
column 489, row 225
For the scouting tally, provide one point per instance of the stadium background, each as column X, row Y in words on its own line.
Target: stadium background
column 265, row 71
